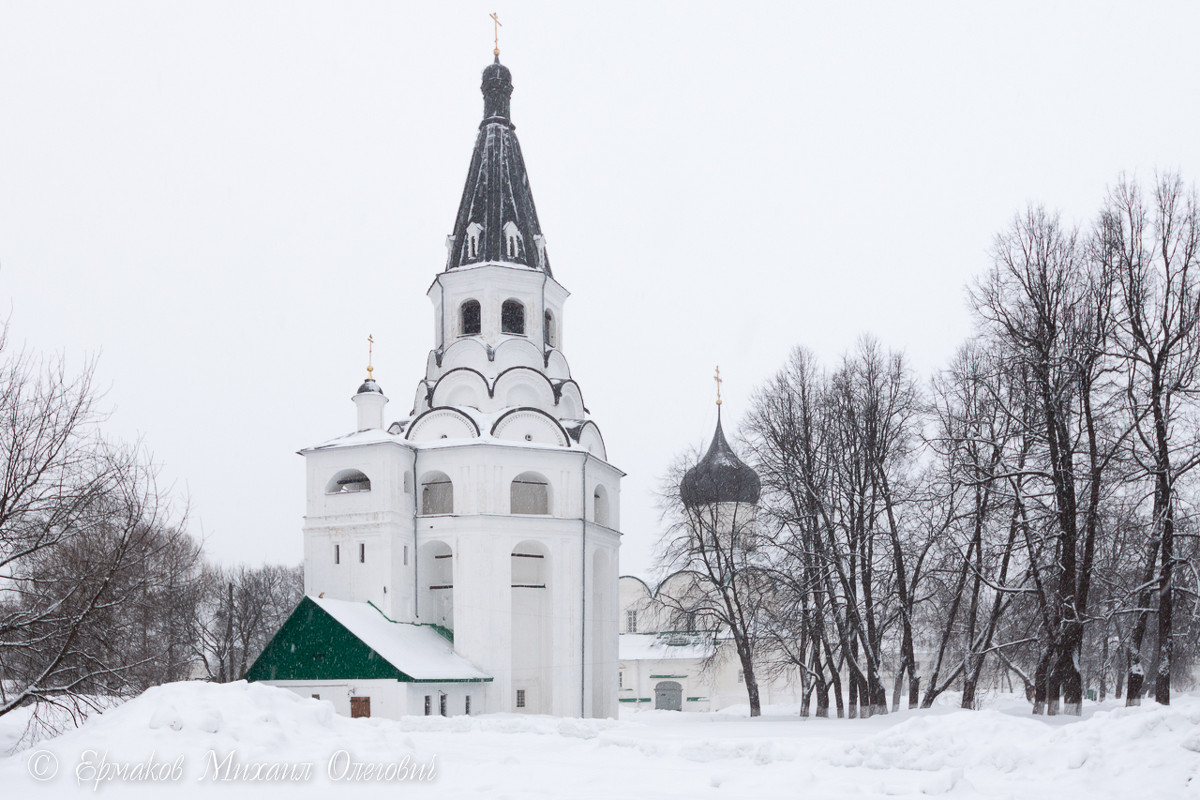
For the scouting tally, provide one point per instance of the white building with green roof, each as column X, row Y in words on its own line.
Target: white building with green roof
column 469, row 548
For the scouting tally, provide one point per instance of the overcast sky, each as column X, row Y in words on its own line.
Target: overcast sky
column 222, row 199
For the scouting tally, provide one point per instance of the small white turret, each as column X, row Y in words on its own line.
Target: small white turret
column 370, row 399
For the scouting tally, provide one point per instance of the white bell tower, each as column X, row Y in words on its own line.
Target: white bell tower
column 491, row 510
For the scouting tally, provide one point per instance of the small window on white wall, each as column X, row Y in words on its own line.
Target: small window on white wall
column 362, row 553
column 520, row 698
column 337, row 554
column 631, row 622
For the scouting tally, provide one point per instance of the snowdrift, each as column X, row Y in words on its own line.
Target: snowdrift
column 221, row 740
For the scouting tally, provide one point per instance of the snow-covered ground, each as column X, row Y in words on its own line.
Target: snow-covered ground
column 195, row 736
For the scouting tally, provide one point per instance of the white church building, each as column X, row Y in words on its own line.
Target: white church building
column 672, row 658
column 463, row 558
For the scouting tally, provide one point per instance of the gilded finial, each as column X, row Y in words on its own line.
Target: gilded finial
column 370, row 355
column 717, row 378
column 496, row 29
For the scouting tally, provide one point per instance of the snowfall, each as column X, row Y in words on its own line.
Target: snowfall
column 209, row 740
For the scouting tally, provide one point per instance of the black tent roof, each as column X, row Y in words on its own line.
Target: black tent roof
column 497, row 204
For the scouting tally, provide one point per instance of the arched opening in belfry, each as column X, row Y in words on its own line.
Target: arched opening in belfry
column 600, row 514
column 529, row 494
column 470, row 319
column 601, row 648
column 435, row 567
column 348, row 480
column 512, row 317
column 532, row 620
column 437, row 494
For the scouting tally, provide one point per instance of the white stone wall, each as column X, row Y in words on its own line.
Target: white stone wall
column 380, row 521
column 393, row 699
column 494, row 401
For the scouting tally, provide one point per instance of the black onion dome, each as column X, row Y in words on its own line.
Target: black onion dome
column 369, row 385
column 497, row 221
column 720, row 477
column 497, row 89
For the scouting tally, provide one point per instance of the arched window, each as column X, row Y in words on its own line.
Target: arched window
column 348, row 480
column 437, row 494
column 473, row 232
column 600, row 507
column 469, row 318
column 548, row 330
column 512, row 240
column 530, row 494
column 512, row 317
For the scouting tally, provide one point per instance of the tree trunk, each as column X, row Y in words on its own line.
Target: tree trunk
column 1135, row 675
column 835, row 678
column 968, row 693
column 1041, row 681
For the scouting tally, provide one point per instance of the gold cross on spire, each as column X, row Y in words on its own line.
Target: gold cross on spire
column 496, row 28
column 717, row 378
column 370, row 355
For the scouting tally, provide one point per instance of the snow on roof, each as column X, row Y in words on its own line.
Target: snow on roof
column 358, row 438
column 664, row 646
column 484, row 420
column 418, row 651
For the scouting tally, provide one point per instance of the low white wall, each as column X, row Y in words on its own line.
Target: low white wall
column 394, row 699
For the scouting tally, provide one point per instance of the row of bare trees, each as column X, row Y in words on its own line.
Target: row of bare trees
column 102, row 591
column 1026, row 515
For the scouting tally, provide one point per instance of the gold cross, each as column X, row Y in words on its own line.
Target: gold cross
column 496, row 28
column 717, row 378
column 370, row 354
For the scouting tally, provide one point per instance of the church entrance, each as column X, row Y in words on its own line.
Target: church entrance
column 360, row 706
column 668, row 696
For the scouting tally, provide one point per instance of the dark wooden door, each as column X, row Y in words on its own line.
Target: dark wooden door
column 360, row 706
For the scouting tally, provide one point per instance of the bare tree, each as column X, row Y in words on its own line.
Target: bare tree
column 788, row 435
column 1040, row 307
column 85, row 541
column 239, row 610
column 1153, row 254
column 1026, row 524
column 979, row 416
column 848, row 538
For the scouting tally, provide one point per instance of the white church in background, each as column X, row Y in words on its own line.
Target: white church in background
column 463, row 558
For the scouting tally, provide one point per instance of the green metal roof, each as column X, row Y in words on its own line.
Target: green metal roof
column 313, row 645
